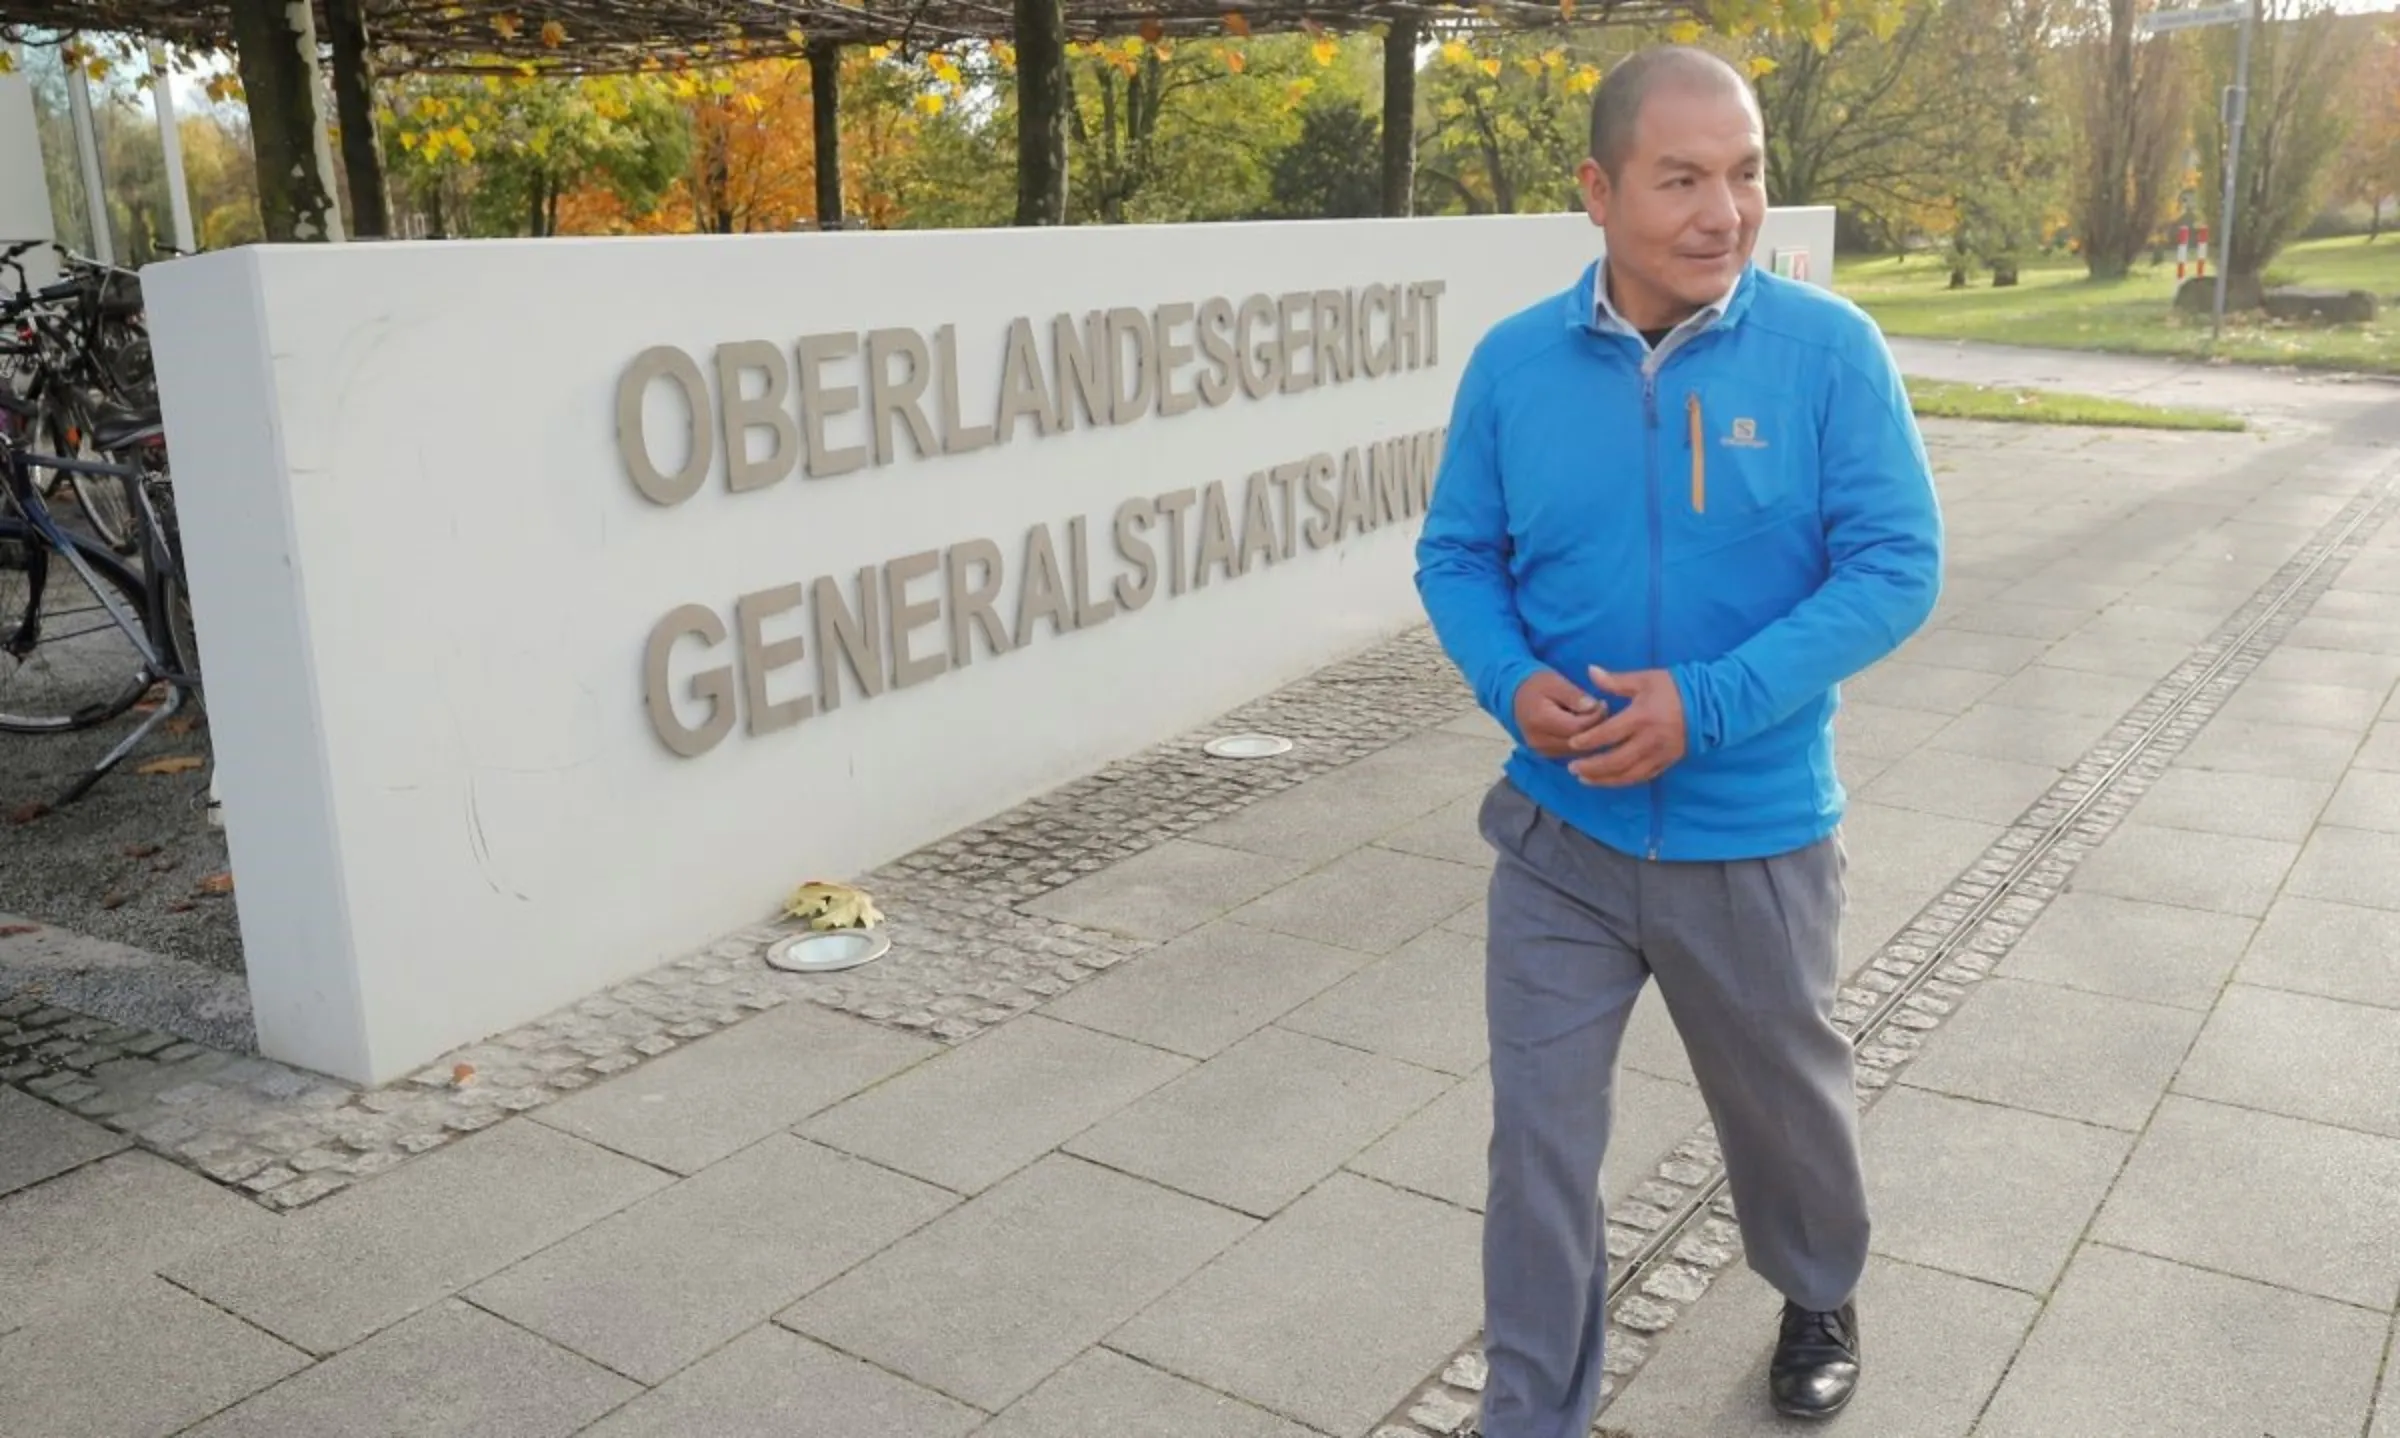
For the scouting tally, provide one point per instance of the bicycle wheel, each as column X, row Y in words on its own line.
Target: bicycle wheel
column 100, row 497
column 65, row 663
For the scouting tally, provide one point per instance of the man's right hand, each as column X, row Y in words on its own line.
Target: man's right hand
column 1551, row 712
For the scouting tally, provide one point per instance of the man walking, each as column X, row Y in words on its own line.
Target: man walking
column 1680, row 504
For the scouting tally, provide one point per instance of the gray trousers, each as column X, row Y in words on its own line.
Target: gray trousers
column 1747, row 955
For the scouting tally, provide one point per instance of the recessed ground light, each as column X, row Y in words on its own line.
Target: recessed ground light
column 828, row 951
column 1248, row 746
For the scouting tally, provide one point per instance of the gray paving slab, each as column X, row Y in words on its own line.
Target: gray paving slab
column 1362, row 801
column 1961, row 786
column 2381, row 752
column 689, row 1108
column 330, row 1275
column 110, row 1225
column 2202, row 1189
column 2341, row 951
column 1373, row 900
column 2354, row 635
column 40, row 1141
column 1652, row 1045
column 773, row 1383
column 1938, row 688
column 2315, row 706
column 2073, row 691
column 1957, row 648
column 2044, row 737
column 1200, row 993
column 2106, row 653
column 994, row 1297
column 2101, row 1060
column 2223, row 873
column 2180, row 624
column 1451, row 832
column 1423, row 1003
column 1886, row 731
column 449, row 1369
column 2025, row 621
column 2257, row 748
column 2349, row 866
column 2368, row 799
column 1935, row 1346
column 2213, row 801
column 1169, row 890
column 142, row 1359
column 2134, row 1344
column 2158, row 953
column 1107, row 1393
column 1329, row 1311
column 1263, row 1122
column 995, row 1103
column 1987, row 1192
column 1908, row 854
column 657, row 1285
column 2300, row 1054
column 2299, row 664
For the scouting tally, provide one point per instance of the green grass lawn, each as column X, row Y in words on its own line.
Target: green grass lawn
column 1947, row 399
column 2057, row 307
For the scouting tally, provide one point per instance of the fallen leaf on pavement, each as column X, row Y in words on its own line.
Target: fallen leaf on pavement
column 113, row 899
column 833, row 906
column 141, row 851
column 217, row 885
column 463, row 1075
column 172, row 764
column 10, row 931
column 27, row 813
column 181, row 906
column 179, row 726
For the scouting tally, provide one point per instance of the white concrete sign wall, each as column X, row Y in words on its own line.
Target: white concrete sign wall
column 570, row 601
column 24, row 195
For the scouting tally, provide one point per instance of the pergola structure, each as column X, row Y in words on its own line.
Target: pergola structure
column 276, row 42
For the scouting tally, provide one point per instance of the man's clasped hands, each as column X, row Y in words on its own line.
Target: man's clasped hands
column 1632, row 746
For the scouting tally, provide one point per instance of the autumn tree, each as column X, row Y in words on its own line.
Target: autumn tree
column 1999, row 167
column 504, row 156
column 2300, row 62
column 2368, row 171
column 1853, row 114
column 2135, row 115
column 1508, row 120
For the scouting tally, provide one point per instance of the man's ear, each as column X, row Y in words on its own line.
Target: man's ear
column 1592, row 181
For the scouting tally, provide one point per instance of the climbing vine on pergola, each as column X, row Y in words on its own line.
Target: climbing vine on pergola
column 277, row 44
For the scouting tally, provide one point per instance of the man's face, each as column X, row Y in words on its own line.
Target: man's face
column 1683, row 212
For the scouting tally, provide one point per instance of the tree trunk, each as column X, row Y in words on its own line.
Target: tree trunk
column 354, row 111
column 277, row 49
column 1400, row 119
column 2004, row 274
column 825, row 114
column 1041, row 40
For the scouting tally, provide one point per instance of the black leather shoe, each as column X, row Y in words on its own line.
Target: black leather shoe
column 1815, row 1369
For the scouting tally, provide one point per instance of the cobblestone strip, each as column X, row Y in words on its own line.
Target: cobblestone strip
column 964, row 957
column 1676, row 1232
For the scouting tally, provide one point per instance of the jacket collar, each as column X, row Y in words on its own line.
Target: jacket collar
column 1588, row 308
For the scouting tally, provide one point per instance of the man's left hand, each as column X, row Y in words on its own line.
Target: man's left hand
column 1640, row 741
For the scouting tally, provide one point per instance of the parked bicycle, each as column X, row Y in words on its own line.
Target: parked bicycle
column 85, row 636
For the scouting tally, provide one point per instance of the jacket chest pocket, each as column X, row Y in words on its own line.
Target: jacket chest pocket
column 1743, row 462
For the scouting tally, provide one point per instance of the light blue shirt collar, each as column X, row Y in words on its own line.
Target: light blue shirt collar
column 1606, row 318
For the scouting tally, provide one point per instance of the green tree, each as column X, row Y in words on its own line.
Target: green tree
column 1508, row 119
column 492, row 156
column 2135, row 116
column 2300, row 63
column 1328, row 171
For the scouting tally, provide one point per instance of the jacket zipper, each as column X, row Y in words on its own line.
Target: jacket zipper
column 1691, row 408
column 1657, row 563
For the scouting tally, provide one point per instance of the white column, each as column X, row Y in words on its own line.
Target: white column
column 87, row 150
column 170, row 144
column 24, row 197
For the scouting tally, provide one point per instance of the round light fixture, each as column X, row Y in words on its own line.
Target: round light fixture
column 828, row 951
column 1248, row 746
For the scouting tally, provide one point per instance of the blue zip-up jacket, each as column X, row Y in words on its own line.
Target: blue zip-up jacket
column 1750, row 508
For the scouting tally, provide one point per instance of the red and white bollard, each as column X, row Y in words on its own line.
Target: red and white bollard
column 2183, row 248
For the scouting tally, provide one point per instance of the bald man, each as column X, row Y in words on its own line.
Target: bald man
column 1681, row 502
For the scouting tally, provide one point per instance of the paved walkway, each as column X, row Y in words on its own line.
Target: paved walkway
column 2125, row 917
